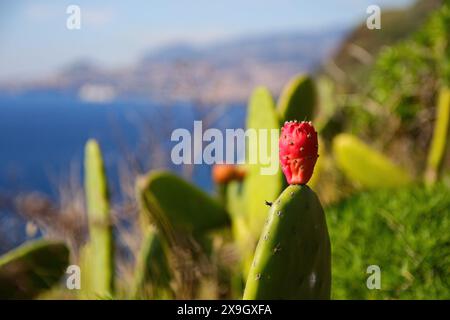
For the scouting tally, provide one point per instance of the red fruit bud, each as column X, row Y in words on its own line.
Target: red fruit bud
column 298, row 151
column 225, row 173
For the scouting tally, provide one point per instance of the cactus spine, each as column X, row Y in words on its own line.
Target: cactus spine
column 293, row 257
column 100, row 252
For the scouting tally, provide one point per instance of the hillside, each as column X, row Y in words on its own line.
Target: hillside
column 361, row 46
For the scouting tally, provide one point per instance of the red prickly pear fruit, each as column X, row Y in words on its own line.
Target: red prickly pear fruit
column 298, row 151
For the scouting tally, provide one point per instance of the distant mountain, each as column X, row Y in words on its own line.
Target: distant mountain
column 305, row 48
column 228, row 71
column 172, row 52
column 223, row 72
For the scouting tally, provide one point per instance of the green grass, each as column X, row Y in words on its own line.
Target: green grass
column 406, row 232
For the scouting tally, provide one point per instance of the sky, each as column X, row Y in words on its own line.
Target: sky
column 35, row 42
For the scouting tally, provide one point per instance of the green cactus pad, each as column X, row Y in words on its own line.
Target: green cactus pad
column 239, row 224
column 365, row 166
column 152, row 275
column 318, row 168
column 236, row 208
column 172, row 202
column 439, row 143
column 298, row 99
column 293, row 258
column 235, row 199
column 32, row 268
column 100, row 256
column 260, row 187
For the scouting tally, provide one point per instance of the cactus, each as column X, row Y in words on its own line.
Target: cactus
column 247, row 207
column 365, row 166
column 298, row 99
column 32, row 268
column 293, row 258
column 236, row 206
column 172, row 203
column 99, row 254
column 319, row 165
column 439, row 142
column 261, row 115
column 182, row 213
column 152, row 275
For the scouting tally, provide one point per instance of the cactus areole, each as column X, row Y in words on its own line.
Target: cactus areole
column 298, row 151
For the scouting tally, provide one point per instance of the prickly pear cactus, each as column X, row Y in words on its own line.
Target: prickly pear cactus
column 173, row 203
column 439, row 143
column 293, row 258
column 365, row 166
column 32, row 268
column 261, row 115
column 298, row 99
column 319, row 165
column 236, row 206
column 100, row 254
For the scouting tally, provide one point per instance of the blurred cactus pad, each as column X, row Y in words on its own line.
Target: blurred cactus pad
column 261, row 115
column 298, row 100
column 365, row 166
column 174, row 204
column 32, row 269
column 98, row 254
column 441, row 135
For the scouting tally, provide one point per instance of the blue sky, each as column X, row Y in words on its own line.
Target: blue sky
column 34, row 40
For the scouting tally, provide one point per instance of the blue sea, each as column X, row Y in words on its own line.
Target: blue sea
column 42, row 138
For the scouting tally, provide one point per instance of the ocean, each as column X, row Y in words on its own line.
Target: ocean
column 42, row 138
